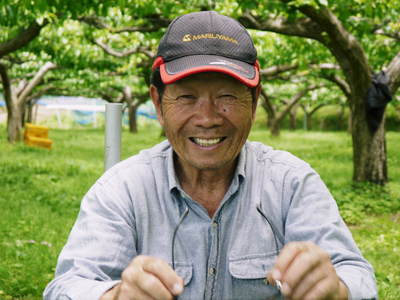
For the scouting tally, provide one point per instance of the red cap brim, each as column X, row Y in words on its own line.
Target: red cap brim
column 186, row 66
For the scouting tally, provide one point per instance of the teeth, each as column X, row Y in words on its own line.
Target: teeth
column 207, row 142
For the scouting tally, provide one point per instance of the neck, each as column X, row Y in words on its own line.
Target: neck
column 207, row 187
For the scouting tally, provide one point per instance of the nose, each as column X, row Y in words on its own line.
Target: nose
column 207, row 114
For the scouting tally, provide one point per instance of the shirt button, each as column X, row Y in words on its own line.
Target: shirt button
column 212, row 271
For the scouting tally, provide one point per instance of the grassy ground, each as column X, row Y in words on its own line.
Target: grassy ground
column 40, row 193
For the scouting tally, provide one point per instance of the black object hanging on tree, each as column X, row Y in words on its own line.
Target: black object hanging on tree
column 378, row 96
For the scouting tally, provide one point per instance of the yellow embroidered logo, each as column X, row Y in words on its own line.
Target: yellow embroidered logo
column 190, row 37
column 187, row 38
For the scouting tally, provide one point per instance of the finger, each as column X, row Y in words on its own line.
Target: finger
column 137, row 284
column 308, row 282
column 322, row 290
column 129, row 292
column 285, row 258
column 301, row 265
column 272, row 281
column 152, row 286
column 164, row 273
column 145, row 273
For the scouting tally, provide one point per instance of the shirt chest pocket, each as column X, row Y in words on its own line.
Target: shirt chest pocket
column 248, row 277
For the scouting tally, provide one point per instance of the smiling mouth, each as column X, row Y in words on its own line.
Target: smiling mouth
column 206, row 142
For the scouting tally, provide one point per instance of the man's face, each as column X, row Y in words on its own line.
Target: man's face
column 207, row 118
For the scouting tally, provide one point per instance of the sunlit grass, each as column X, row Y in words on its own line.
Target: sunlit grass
column 379, row 239
column 41, row 190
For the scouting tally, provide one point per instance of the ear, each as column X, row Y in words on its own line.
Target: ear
column 157, row 103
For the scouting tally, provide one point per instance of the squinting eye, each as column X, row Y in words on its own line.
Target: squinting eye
column 186, row 97
column 227, row 97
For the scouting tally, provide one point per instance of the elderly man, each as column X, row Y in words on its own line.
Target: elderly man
column 207, row 214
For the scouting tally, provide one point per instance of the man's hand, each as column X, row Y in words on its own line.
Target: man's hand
column 306, row 272
column 146, row 278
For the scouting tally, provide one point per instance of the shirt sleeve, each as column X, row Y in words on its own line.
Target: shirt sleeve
column 100, row 246
column 312, row 215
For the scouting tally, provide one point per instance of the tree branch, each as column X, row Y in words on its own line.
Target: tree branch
column 5, row 79
column 113, row 52
column 296, row 98
column 343, row 46
column 278, row 69
column 40, row 93
column 340, row 82
column 127, row 94
column 110, row 98
column 22, row 39
column 303, row 27
column 157, row 22
column 319, row 106
column 14, row 59
column 107, row 49
column 20, row 87
column 35, row 81
column 393, row 71
column 393, row 35
column 325, row 66
column 267, row 104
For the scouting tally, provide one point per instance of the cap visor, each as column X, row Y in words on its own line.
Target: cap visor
column 189, row 65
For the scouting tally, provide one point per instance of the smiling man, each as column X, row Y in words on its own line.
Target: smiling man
column 207, row 214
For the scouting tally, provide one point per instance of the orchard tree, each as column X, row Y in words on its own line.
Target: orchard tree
column 21, row 22
column 17, row 96
column 357, row 51
column 131, row 35
column 317, row 100
column 276, row 117
column 126, row 46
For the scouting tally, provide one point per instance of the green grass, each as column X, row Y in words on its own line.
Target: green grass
column 41, row 190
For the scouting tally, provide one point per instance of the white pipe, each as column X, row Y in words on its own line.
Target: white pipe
column 112, row 143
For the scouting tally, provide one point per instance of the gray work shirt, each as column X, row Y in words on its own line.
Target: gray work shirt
column 135, row 207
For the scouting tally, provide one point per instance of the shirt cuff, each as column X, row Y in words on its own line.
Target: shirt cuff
column 360, row 285
column 91, row 289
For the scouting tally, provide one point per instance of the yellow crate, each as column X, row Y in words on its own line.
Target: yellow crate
column 38, row 142
column 36, row 130
column 37, row 136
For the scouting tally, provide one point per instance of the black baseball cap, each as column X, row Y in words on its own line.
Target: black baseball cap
column 207, row 42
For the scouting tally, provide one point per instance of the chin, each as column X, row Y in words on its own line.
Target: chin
column 208, row 166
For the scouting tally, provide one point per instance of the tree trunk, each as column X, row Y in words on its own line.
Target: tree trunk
column 369, row 148
column 14, row 122
column 270, row 115
column 275, row 128
column 311, row 114
column 293, row 117
column 350, row 123
column 132, row 118
column 29, row 111
column 268, row 107
column 16, row 102
column 292, row 120
column 309, row 121
column 341, row 113
column 305, row 120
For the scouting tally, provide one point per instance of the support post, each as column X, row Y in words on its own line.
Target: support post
column 112, row 143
